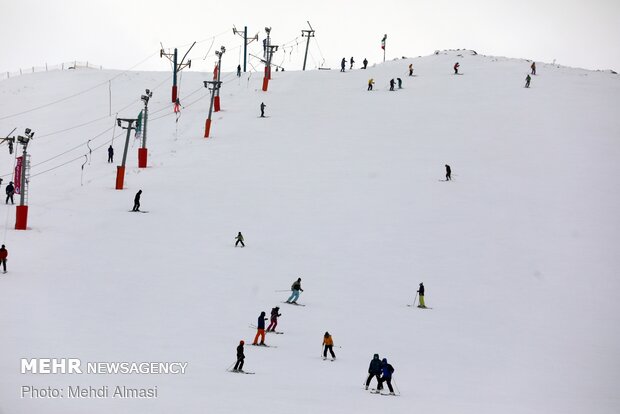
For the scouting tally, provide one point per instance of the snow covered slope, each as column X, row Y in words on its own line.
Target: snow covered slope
column 341, row 187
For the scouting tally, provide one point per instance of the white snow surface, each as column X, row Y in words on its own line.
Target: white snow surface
column 342, row 187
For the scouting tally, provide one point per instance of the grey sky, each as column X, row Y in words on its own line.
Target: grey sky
column 119, row 34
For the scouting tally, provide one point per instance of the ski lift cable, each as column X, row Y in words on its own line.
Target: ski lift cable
column 101, row 118
column 74, row 159
column 66, row 98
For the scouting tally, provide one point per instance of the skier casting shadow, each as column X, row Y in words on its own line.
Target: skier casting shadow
column 136, row 201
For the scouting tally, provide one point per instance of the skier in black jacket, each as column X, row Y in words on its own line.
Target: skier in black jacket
column 421, row 293
column 240, row 358
column 110, row 154
column 365, row 62
column 10, row 190
column 448, row 173
column 391, row 84
column 136, row 201
column 374, row 370
column 343, row 64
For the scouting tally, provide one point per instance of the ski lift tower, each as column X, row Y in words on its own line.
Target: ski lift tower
column 21, row 179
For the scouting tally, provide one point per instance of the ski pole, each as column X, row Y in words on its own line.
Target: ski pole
column 396, row 386
column 416, row 298
column 231, row 365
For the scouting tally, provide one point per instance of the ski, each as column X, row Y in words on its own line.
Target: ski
column 426, row 307
column 240, row 372
column 295, row 304
column 266, row 331
column 139, row 211
column 265, row 345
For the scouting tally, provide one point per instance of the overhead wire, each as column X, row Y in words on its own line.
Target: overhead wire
column 66, row 98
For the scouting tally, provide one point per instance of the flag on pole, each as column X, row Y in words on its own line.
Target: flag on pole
column 383, row 42
column 17, row 176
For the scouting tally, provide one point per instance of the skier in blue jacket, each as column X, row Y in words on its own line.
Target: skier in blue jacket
column 260, row 330
column 386, row 376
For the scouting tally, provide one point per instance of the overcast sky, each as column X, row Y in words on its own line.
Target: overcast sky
column 119, row 34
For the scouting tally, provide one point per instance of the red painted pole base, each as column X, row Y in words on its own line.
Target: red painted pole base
column 207, row 128
column 142, row 156
column 174, row 93
column 120, row 177
column 21, row 220
column 265, row 83
column 216, row 104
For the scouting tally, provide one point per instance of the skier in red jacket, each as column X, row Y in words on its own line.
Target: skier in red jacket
column 3, row 255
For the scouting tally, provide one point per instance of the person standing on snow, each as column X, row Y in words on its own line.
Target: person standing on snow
column 110, row 154
column 262, row 109
column 10, row 190
column 400, row 83
column 343, row 63
column 240, row 357
column 239, row 239
column 296, row 288
column 274, row 319
column 328, row 342
column 421, row 293
column 386, row 376
column 260, row 330
column 392, row 84
column 448, row 173
column 456, row 68
column 411, row 69
column 352, row 62
column 528, row 78
column 4, row 253
column 374, row 370
column 238, row 71
column 371, row 82
column 365, row 62
column 533, row 68
column 136, row 201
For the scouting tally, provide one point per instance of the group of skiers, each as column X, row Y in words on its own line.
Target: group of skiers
column 371, row 82
column 343, row 64
column 327, row 344
column 456, row 67
column 382, row 371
